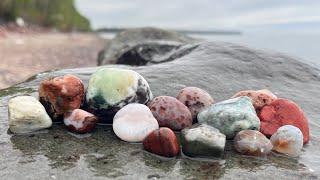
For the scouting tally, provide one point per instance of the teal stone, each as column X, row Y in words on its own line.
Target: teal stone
column 201, row 140
column 231, row 116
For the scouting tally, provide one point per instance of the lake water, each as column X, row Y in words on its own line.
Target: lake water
column 304, row 46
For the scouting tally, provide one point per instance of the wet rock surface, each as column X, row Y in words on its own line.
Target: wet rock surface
column 222, row 69
column 231, row 116
column 252, row 143
column 202, row 140
column 142, row 46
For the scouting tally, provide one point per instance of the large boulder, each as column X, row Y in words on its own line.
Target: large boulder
column 222, row 69
column 141, row 46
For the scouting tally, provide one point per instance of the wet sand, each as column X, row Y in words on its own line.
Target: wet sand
column 23, row 55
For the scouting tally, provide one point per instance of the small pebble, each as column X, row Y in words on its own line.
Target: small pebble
column 195, row 99
column 134, row 122
column 80, row 121
column 252, row 143
column 162, row 142
column 170, row 113
column 288, row 140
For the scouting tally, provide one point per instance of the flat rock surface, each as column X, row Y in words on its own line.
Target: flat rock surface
column 222, row 69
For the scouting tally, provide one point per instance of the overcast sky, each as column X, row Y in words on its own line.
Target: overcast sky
column 204, row 14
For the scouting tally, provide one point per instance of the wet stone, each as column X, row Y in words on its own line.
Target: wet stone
column 231, row 116
column 202, row 140
column 26, row 114
column 288, row 140
column 134, row 122
column 110, row 89
column 162, row 142
column 60, row 95
column 252, row 143
column 80, row 121
column 195, row 99
column 170, row 113
column 283, row 112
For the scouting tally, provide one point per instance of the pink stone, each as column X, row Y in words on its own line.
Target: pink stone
column 80, row 121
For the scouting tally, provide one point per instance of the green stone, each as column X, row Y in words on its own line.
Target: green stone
column 231, row 116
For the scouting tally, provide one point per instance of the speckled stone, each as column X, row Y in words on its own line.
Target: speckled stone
column 110, row 89
column 231, row 116
column 80, row 121
column 288, row 140
column 195, row 99
column 134, row 122
column 252, row 143
column 259, row 98
column 283, row 112
column 162, row 142
column 170, row 112
column 202, row 140
column 26, row 114
column 60, row 95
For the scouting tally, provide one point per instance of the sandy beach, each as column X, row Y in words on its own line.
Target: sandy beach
column 25, row 54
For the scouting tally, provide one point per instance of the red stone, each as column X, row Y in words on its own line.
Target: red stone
column 80, row 121
column 283, row 112
column 61, row 94
column 162, row 142
column 170, row 112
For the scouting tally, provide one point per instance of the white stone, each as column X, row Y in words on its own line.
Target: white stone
column 134, row 122
column 288, row 140
column 27, row 114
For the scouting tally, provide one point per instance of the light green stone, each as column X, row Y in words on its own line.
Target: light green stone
column 231, row 116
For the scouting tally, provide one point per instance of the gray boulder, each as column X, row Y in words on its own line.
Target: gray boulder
column 142, row 46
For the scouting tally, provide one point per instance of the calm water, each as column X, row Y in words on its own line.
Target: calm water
column 305, row 46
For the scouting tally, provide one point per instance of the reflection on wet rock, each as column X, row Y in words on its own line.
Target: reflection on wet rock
column 26, row 114
column 61, row 94
column 112, row 88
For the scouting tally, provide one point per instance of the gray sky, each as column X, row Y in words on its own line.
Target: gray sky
column 204, row 14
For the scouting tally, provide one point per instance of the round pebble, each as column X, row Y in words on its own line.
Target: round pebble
column 80, row 121
column 288, row 140
column 252, row 143
column 170, row 112
column 134, row 122
column 195, row 99
column 162, row 142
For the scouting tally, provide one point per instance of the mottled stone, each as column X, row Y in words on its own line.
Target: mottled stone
column 26, row 114
column 259, row 98
column 162, row 142
column 231, row 116
column 283, row 112
column 252, row 143
column 60, row 95
column 80, row 121
column 112, row 88
column 202, row 140
column 288, row 140
column 134, row 122
column 170, row 112
column 195, row 99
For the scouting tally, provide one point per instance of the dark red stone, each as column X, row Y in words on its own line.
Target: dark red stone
column 80, row 121
column 60, row 95
column 283, row 112
column 170, row 112
column 162, row 142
